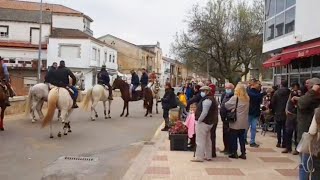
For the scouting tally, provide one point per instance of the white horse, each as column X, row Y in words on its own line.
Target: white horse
column 59, row 98
column 155, row 88
column 38, row 94
column 93, row 96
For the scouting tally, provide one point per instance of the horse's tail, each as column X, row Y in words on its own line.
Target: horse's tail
column 147, row 97
column 52, row 105
column 87, row 99
column 28, row 103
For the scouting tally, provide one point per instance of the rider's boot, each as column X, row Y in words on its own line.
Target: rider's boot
column 74, row 106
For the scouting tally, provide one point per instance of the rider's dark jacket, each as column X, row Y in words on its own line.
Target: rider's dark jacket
column 144, row 79
column 103, row 77
column 135, row 79
column 50, row 76
column 61, row 77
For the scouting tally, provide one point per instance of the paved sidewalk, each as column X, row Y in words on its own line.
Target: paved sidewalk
column 156, row 161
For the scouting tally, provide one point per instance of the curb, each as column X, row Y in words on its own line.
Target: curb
column 143, row 159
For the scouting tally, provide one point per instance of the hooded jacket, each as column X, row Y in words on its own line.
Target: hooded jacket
column 255, row 102
column 169, row 99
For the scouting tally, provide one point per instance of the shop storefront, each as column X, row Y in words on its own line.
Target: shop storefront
column 296, row 64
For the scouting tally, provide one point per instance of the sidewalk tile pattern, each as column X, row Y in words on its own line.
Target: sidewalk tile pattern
column 288, row 172
column 276, row 159
column 157, row 170
column 224, row 171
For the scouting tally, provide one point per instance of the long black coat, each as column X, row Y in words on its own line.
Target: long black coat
column 61, row 77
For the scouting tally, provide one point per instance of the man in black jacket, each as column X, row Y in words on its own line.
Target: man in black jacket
column 134, row 81
column 278, row 103
column 104, row 79
column 61, row 79
column 49, row 79
column 144, row 81
column 226, row 96
column 168, row 102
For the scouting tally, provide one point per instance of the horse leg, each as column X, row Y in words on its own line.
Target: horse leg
column 150, row 107
column 65, row 128
column 39, row 108
column 51, row 135
column 157, row 106
column 109, row 107
column 68, row 124
column 124, row 107
column 59, row 115
column 94, row 113
column 2, row 116
column 64, row 115
column 147, row 108
column 127, row 109
column 33, row 108
column 105, row 110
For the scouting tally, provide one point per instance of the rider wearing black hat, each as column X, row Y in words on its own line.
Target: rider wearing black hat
column 61, row 79
column 104, row 79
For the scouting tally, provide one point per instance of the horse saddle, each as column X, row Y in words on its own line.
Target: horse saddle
column 137, row 89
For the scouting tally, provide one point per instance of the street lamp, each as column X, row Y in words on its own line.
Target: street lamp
column 39, row 53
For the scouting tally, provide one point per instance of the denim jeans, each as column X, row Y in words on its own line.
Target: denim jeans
column 253, row 120
column 75, row 90
column 309, row 163
column 166, row 117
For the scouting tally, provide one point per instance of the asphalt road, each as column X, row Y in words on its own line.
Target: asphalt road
column 26, row 149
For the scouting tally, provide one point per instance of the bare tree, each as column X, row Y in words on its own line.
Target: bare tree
column 225, row 34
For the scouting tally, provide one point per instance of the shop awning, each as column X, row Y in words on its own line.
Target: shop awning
column 302, row 51
column 291, row 53
column 275, row 61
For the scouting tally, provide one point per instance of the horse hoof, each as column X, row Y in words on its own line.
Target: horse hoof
column 150, row 115
column 145, row 115
column 1, row 129
column 65, row 134
column 33, row 121
column 69, row 131
column 109, row 117
column 106, row 117
column 92, row 119
column 96, row 115
column 51, row 137
column 121, row 115
column 59, row 134
column 127, row 115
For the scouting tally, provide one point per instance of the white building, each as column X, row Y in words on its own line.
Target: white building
column 291, row 37
column 66, row 35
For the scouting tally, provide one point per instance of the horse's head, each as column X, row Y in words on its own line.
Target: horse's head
column 117, row 83
column 80, row 81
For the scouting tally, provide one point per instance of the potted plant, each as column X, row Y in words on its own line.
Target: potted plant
column 178, row 136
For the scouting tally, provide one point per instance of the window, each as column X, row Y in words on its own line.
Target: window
column 105, row 57
column 29, row 81
column 280, row 6
column 290, row 3
column 279, row 25
column 279, row 18
column 98, row 55
column 270, row 8
column 114, row 58
column 269, row 29
column 110, row 58
column 69, row 51
column 94, row 54
column 4, row 31
column 290, row 20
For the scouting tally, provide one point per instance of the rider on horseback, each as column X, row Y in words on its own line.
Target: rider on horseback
column 5, row 81
column 144, row 81
column 104, row 79
column 61, row 79
column 134, row 81
column 49, row 77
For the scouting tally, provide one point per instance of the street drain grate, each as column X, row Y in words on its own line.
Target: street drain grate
column 148, row 143
column 74, row 158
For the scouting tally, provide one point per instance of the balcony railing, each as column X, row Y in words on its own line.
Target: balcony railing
column 28, row 39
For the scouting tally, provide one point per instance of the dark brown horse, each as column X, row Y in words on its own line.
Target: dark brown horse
column 137, row 96
column 3, row 97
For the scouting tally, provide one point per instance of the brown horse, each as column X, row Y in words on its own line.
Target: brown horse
column 125, row 95
column 3, row 107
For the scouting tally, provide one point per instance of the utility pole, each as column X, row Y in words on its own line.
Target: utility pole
column 39, row 53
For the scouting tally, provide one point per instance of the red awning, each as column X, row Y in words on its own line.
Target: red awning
column 275, row 61
column 296, row 52
column 302, row 51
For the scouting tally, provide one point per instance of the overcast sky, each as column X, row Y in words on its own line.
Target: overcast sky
column 137, row 21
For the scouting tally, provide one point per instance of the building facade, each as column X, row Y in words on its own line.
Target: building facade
column 292, row 39
column 131, row 56
column 66, row 35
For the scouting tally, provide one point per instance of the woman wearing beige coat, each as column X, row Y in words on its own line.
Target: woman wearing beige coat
column 238, row 128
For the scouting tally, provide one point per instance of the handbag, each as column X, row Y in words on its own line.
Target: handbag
column 232, row 115
column 304, row 145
